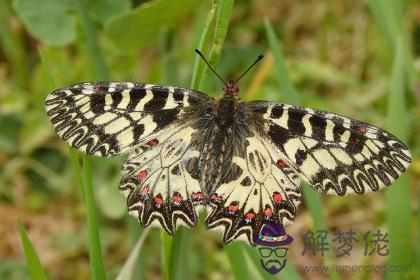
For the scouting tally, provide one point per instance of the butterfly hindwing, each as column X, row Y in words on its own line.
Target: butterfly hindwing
column 107, row 118
column 263, row 192
column 159, row 181
column 335, row 154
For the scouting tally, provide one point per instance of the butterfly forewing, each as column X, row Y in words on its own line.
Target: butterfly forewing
column 107, row 118
column 335, row 154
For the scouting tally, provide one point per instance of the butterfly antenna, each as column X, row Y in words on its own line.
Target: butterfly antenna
column 211, row 68
column 249, row 68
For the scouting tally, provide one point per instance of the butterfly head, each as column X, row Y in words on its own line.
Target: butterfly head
column 230, row 88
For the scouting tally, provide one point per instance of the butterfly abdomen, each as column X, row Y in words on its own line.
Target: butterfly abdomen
column 226, row 139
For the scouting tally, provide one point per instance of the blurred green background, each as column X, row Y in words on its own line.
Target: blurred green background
column 356, row 58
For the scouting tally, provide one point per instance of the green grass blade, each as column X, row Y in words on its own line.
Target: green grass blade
column 397, row 115
column 202, row 46
column 397, row 196
column 254, row 266
column 174, row 249
column 95, row 252
column 129, row 268
column 224, row 11
column 289, row 272
column 47, row 71
column 180, row 250
column 312, row 198
column 386, row 20
column 34, row 265
column 389, row 16
column 235, row 254
column 166, row 254
column 77, row 171
column 287, row 88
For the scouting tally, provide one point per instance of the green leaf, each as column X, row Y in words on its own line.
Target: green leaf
column 140, row 27
column 399, row 224
column 51, row 22
column 35, row 267
column 102, row 10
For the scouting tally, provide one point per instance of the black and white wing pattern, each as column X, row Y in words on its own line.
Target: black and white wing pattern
column 283, row 144
column 244, row 161
column 335, row 154
column 153, row 123
column 261, row 191
column 160, row 181
column 109, row 118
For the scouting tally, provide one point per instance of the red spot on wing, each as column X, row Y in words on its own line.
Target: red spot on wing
column 177, row 198
column 145, row 190
column 250, row 215
column 277, row 197
column 153, row 142
column 158, row 200
column 282, row 164
column 233, row 207
column 142, row 174
column 361, row 129
column 197, row 195
column 268, row 212
column 216, row 198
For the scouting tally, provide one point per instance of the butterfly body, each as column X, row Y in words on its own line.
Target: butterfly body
column 243, row 161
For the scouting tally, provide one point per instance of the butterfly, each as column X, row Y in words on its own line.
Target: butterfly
column 242, row 161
